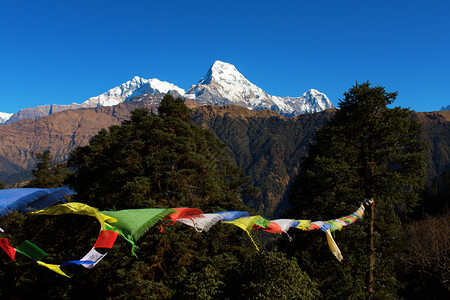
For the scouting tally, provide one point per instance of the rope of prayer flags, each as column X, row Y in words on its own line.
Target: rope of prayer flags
column 133, row 223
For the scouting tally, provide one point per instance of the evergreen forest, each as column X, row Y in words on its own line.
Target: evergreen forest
column 367, row 149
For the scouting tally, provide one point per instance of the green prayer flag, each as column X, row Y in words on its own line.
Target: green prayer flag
column 134, row 223
column 262, row 222
column 30, row 250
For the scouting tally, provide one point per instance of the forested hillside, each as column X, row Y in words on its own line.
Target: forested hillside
column 267, row 146
column 175, row 159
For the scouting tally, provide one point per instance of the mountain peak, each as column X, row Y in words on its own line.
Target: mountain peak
column 223, row 84
column 137, row 86
column 222, row 71
column 313, row 92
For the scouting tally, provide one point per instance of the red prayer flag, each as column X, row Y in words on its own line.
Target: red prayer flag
column 273, row 228
column 106, row 239
column 185, row 213
column 11, row 251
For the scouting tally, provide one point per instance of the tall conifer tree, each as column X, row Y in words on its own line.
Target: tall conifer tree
column 366, row 151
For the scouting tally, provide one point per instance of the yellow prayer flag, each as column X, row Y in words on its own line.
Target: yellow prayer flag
column 54, row 268
column 333, row 246
column 303, row 224
column 246, row 224
column 79, row 209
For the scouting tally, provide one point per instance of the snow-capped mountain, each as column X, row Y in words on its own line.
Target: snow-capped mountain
column 4, row 117
column 223, row 84
column 135, row 87
column 125, row 92
column 445, row 108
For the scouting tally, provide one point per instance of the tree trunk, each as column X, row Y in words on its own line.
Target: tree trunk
column 370, row 291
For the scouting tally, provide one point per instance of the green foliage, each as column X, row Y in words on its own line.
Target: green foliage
column 163, row 161
column 45, row 175
column 171, row 107
column 366, row 151
column 270, row 275
column 151, row 161
column 205, row 284
column 266, row 146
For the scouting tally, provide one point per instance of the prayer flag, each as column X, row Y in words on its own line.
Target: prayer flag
column 333, row 246
column 92, row 257
column 202, row 224
column 30, row 199
column 77, row 263
column 303, row 224
column 54, row 268
column 4, row 243
column 284, row 224
column 106, row 239
column 246, row 224
column 184, row 213
column 228, row 216
column 30, row 250
column 79, row 209
column 134, row 223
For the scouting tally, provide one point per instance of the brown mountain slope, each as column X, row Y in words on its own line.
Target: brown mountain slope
column 266, row 145
column 59, row 133
column 436, row 131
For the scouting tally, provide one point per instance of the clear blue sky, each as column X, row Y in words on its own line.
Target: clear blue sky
column 64, row 51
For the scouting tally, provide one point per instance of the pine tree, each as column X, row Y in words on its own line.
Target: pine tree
column 47, row 174
column 165, row 161
column 367, row 150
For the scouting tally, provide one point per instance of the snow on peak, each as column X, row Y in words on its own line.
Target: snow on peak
column 222, row 71
column 4, row 117
column 224, row 84
column 135, row 87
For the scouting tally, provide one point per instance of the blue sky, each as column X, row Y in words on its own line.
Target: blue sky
column 63, row 51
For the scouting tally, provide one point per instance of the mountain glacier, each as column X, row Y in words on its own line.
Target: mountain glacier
column 223, row 84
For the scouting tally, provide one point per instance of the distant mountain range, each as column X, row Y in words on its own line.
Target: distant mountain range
column 221, row 85
column 445, row 108
column 266, row 145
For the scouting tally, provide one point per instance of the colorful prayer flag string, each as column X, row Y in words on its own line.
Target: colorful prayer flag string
column 132, row 224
